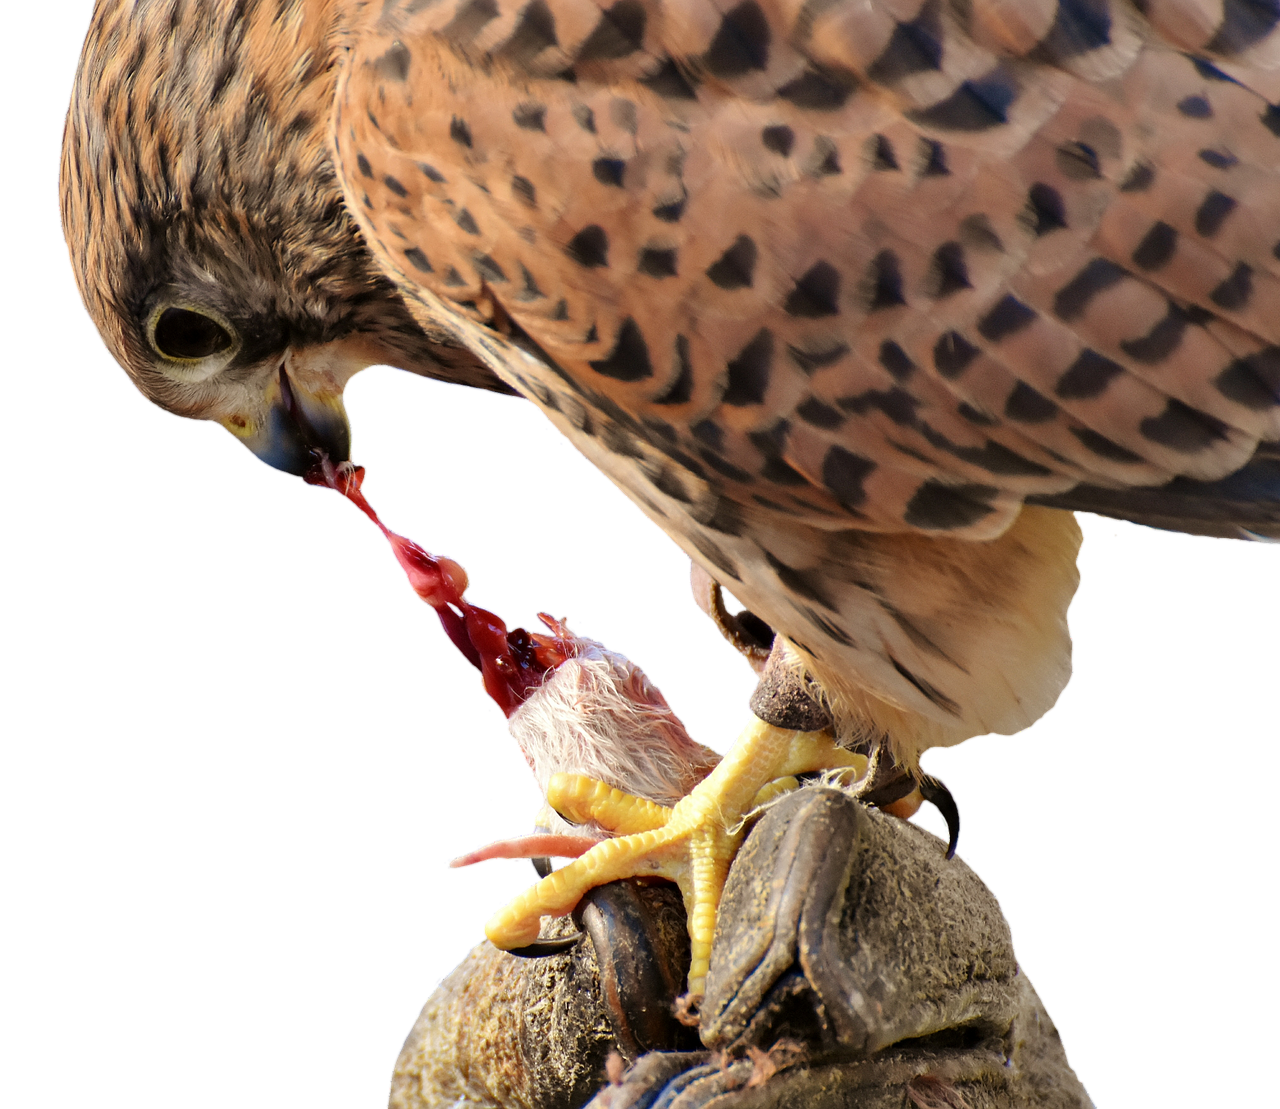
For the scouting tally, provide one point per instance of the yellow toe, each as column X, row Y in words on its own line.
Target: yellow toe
column 692, row 843
column 583, row 800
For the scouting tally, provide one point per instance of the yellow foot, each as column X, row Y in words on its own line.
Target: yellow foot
column 692, row 843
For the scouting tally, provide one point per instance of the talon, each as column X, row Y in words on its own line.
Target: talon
column 540, row 949
column 691, row 843
column 937, row 794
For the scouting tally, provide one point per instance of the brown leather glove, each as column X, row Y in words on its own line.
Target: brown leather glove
column 853, row 966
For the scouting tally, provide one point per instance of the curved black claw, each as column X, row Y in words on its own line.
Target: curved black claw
column 937, row 794
column 540, row 949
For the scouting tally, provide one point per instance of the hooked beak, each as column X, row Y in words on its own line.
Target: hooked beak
column 297, row 429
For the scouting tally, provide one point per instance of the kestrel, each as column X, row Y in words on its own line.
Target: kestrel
column 853, row 297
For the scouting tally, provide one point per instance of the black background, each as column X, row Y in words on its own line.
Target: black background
column 260, row 748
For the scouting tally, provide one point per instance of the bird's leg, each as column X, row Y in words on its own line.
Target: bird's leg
column 787, row 699
column 691, row 843
column 750, row 636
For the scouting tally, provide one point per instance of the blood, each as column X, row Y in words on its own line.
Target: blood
column 512, row 664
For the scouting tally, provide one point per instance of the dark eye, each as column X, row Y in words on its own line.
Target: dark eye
column 188, row 336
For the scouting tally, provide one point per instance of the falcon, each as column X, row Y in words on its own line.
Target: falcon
column 856, row 299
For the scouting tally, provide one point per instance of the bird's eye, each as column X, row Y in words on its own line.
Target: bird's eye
column 183, row 335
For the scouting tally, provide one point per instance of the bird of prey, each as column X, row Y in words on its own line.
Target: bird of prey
column 856, row 299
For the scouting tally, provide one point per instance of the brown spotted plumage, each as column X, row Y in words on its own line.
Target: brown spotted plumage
column 833, row 290
column 851, row 298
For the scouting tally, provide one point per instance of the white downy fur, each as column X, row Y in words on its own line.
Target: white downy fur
column 600, row 716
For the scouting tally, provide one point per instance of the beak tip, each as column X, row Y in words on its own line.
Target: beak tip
column 298, row 430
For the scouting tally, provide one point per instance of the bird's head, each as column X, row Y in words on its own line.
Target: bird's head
column 207, row 228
